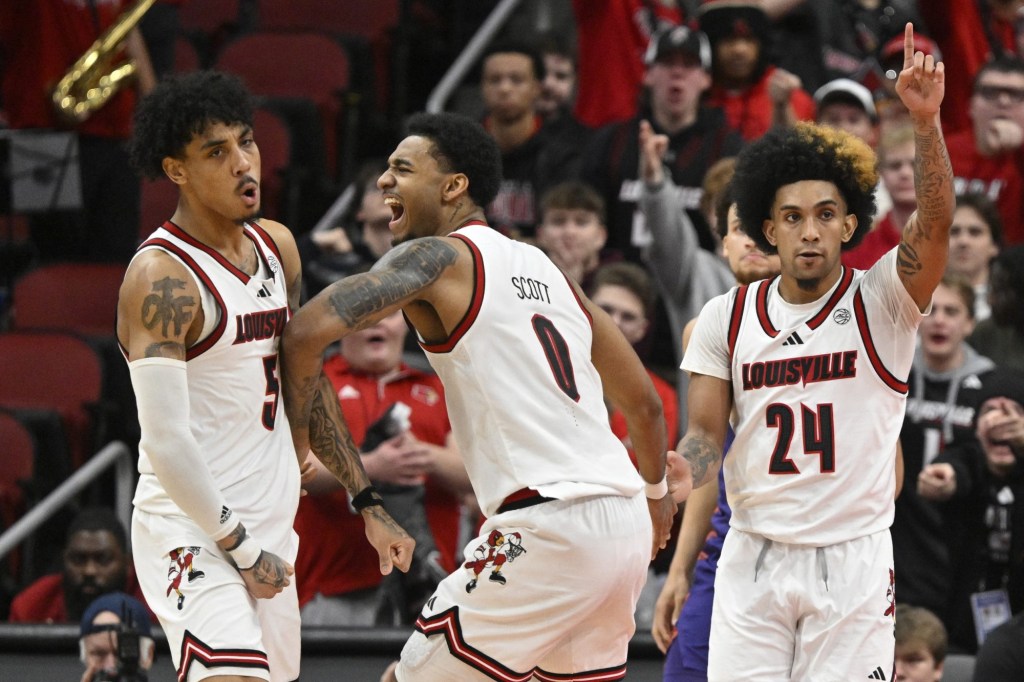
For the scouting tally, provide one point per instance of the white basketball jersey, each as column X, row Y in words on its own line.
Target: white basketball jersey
column 819, row 393
column 525, row 401
column 233, row 384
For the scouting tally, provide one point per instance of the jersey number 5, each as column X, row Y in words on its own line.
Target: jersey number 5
column 819, row 437
column 273, row 391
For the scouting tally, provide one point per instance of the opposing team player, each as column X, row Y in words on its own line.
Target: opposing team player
column 525, row 359
column 200, row 317
column 813, row 366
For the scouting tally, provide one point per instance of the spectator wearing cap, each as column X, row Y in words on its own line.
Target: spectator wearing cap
column 847, row 105
column 988, row 472
column 98, row 638
column 677, row 76
column 890, row 59
column 754, row 94
column 988, row 157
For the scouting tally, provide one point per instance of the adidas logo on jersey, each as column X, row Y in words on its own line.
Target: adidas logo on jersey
column 879, row 674
column 225, row 514
column 263, row 292
column 794, row 340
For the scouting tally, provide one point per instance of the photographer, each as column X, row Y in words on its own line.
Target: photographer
column 115, row 641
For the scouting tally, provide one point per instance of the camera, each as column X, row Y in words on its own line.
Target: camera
column 128, row 655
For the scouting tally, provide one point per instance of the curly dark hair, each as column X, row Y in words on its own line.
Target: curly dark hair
column 805, row 152
column 178, row 109
column 461, row 145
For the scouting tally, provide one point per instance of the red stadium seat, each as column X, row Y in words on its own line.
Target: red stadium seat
column 17, row 452
column 159, row 201
column 275, row 143
column 75, row 297
column 367, row 18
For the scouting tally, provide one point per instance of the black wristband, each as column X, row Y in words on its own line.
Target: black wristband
column 366, row 498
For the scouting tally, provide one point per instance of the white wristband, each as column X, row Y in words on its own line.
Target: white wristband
column 246, row 554
column 656, row 491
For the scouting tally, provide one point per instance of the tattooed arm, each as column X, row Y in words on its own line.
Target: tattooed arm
column 402, row 276
column 709, row 401
column 924, row 247
column 159, row 317
column 353, row 303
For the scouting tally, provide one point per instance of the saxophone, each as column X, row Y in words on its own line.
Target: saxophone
column 94, row 78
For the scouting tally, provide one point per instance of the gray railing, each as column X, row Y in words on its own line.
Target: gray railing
column 114, row 454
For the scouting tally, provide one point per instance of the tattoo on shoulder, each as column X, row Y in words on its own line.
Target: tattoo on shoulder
column 907, row 260
column 404, row 271
column 163, row 308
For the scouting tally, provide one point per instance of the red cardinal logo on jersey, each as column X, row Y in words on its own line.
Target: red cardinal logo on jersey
column 499, row 549
column 182, row 565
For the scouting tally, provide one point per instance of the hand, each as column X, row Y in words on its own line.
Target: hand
column 666, row 609
column 394, row 546
column 1003, row 425
column 663, row 513
column 922, row 82
column 652, row 152
column 1001, row 136
column 268, row 576
column 781, row 85
column 308, row 471
column 402, row 460
column 334, row 240
column 937, row 482
column 679, row 475
column 90, row 673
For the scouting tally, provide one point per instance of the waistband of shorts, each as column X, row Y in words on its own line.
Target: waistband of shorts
column 520, row 499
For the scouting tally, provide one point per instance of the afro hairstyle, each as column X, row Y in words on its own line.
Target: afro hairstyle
column 807, row 151
column 181, row 107
column 461, row 145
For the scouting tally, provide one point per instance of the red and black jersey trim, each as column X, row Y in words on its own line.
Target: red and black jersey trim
column 269, row 241
column 883, row 373
column 242, row 276
column 575, row 294
column 762, row 309
column 447, row 623
column 845, row 280
column 737, row 317
column 194, row 650
column 479, row 280
column 190, row 262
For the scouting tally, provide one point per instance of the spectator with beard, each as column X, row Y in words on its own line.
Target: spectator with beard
column 974, row 240
column 96, row 561
column 558, row 91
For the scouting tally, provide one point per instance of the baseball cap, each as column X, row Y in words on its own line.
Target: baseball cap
column 119, row 604
column 846, row 90
column 922, row 43
column 1006, row 382
column 722, row 19
column 679, row 39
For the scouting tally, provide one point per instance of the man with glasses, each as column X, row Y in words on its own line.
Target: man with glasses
column 988, row 158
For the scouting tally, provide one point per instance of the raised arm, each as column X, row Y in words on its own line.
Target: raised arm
column 159, row 317
column 924, row 247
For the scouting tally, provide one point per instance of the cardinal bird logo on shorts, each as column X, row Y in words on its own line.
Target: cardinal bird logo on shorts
column 499, row 549
column 182, row 565
column 890, row 595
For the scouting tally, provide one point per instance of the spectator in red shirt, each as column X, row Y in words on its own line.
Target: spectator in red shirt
column 339, row 582
column 754, row 94
column 988, row 157
column 896, row 168
column 96, row 561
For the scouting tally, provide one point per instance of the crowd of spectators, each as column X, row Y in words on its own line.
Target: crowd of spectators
column 617, row 138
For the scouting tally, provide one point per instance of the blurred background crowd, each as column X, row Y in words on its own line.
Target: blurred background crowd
column 568, row 89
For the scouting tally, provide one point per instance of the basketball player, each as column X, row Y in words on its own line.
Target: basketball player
column 200, row 316
column 813, row 365
column 525, row 359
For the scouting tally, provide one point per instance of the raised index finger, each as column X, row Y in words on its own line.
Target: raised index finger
column 908, row 46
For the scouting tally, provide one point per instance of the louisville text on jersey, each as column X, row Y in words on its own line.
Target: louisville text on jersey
column 802, row 370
